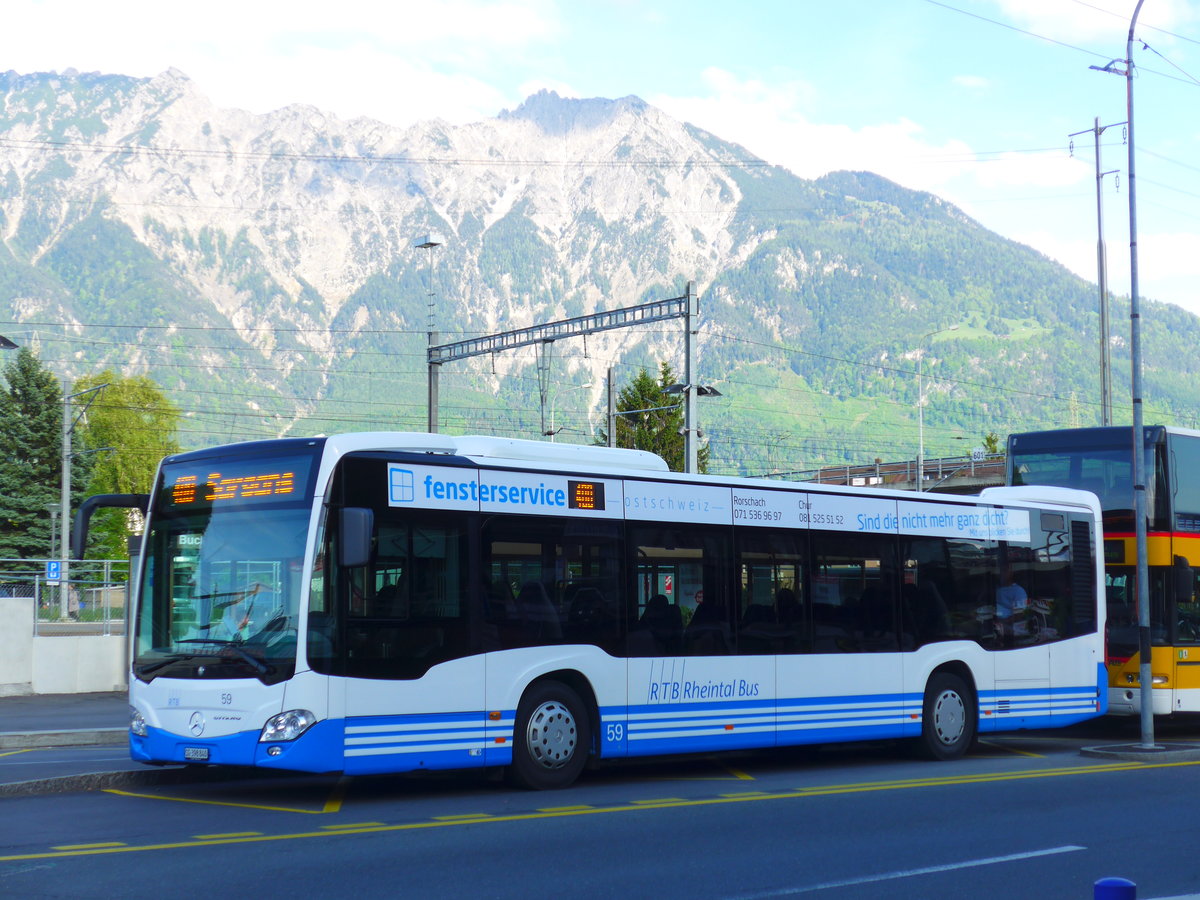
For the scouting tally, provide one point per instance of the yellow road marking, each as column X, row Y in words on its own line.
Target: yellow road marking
column 740, row 775
column 555, row 809
column 334, row 802
column 15, row 752
column 108, row 845
column 232, row 834
column 309, row 812
column 632, row 806
column 460, row 817
column 356, row 825
column 1013, row 750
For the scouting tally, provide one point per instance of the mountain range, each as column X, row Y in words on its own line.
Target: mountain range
column 263, row 269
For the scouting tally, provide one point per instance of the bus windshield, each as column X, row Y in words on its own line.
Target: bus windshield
column 1103, row 471
column 1096, row 460
column 222, row 579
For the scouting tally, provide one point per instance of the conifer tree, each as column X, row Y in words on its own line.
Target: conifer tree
column 30, row 458
column 648, row 418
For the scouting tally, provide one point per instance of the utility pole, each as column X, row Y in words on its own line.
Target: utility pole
column 1102, row 276
column 68, row 427
column 691, row 433
column 612, row 410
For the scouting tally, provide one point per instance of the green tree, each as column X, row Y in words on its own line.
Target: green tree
column 30, row 457
column 991, row 443
column 131, row 426
column 648, row 418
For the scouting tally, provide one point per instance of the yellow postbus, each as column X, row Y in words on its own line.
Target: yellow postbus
column 1100, row 460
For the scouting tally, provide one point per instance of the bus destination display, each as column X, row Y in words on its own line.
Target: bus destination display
column 217, row 487
column 213, row 484
column 585, row 495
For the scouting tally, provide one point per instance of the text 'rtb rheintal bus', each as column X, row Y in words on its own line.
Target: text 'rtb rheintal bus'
column 386, row 602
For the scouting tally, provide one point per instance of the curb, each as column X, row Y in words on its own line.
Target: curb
column 75, row 737
column 1157, row 753
column 149, row 776
column 95, row 781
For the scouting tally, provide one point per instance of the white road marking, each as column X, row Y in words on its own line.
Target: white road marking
column 911, row 873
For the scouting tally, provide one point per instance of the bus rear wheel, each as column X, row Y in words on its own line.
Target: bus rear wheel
column 551, row 738
column 948, row 718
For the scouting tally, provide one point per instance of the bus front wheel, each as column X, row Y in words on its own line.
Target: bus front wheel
column 948, row 718
column 551, row 738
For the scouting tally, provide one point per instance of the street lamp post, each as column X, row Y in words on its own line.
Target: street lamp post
column 552, row 431
column 691, row 430
column 1139, row 455
column 921, row 405
column 1138, row 449
column 53, row 510
column 429, row 242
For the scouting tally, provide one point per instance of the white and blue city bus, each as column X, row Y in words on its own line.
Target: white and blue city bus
column 387, row 602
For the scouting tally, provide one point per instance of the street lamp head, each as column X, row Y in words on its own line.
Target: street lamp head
column 6, row 344
column 702, row 390
column 429, row 241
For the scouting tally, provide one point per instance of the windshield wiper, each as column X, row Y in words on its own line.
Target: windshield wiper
column 257, row 664
column 148, row 668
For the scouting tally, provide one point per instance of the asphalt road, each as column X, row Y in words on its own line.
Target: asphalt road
column 1024, row 816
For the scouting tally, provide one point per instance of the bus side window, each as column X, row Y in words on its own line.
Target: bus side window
column 949, row 590
column 855, row 578
column 551, row 581
column 689, row 565
column 771, row 618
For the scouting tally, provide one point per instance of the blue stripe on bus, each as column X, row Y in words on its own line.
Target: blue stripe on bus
column 374, row 744
column 377, row 744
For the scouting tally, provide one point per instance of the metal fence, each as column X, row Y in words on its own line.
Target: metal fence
column 93, row 599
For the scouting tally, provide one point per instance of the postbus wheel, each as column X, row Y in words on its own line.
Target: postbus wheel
column 551, row 737
column 948, row 718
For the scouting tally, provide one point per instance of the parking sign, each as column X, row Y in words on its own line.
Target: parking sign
column 53, row 571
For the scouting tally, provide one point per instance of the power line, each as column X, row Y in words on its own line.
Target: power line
column 348, row 159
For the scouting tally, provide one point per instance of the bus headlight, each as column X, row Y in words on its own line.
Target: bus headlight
column 137, row 723
column 287, row 726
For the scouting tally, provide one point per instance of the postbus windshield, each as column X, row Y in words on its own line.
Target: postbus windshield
column 222, row 580
column 1091, row 459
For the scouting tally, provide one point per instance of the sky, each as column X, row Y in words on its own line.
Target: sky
column 972, row 100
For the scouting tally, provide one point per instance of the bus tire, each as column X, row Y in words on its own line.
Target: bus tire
column 948, row 718
column 551, row 738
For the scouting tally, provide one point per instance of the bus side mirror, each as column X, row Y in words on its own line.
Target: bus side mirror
column 355, row 527
column 83, row 516
column 1184, row 580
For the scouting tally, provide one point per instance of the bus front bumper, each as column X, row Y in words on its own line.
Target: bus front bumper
column 319, row 749
column 1127, row 701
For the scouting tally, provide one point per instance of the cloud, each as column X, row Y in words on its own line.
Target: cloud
column 1096, row 20
column 769, row 120
column 396, row 62
column 972, row 82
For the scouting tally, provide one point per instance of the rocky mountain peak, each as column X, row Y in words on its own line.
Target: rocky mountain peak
column 560, row 115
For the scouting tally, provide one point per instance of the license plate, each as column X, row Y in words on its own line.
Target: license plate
column 195, row 754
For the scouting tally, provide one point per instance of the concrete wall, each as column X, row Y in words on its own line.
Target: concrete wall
column 55, row 664
column 79, row 664
column 16, row 646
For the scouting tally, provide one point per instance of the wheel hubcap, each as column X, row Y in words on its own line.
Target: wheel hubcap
column 551, row 735
column 949, row 717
